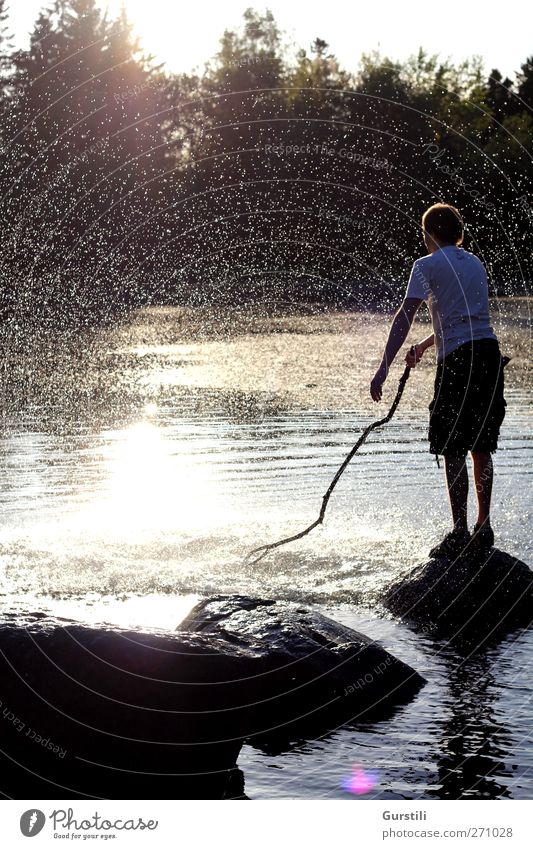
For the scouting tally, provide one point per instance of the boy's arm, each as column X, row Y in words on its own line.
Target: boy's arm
column 414, row 355
column 397, row 335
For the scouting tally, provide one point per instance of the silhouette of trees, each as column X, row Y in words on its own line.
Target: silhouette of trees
column 272, row 173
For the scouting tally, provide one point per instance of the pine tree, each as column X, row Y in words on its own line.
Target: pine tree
column 499, row 95
column 525, row 82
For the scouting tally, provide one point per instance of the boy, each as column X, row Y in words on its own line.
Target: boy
column 468, row 405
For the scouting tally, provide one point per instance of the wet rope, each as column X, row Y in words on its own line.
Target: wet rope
column 266, row 548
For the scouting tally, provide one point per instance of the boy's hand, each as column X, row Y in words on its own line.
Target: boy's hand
column 414, row 355
column 377, row 382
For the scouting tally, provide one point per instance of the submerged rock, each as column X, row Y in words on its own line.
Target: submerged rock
column 466, row 598
column 109, row 713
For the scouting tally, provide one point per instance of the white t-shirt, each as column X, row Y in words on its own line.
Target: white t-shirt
column 454, row 284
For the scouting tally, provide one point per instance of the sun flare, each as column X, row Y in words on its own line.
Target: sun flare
column 152, row 481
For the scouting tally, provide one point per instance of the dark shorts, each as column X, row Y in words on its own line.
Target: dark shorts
column 468, row 406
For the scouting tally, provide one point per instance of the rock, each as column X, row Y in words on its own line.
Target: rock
column 110, row 713
column 309, row 673
column 472, row 599
column 119, row 709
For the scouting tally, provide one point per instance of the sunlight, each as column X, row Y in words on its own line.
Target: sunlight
column 185, row 39
column 153, row 481
column 149, row 611
column 132, row 611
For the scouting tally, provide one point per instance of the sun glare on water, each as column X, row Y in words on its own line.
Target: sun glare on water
column 151, row 480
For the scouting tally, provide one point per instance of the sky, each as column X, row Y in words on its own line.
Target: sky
column 185, row 35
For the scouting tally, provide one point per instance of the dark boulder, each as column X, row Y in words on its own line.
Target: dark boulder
column 109, row 713
column 121, row 711
column 467, row 598
column 311, row 672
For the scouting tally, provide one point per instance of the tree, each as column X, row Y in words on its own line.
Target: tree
column 251, row 58
column 525, row 82
column 86, row 148
column 120, row 181
column 317, row 84
column 499, row 95
column 6, row 47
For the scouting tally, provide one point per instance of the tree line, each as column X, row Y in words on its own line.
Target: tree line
column 269, row 175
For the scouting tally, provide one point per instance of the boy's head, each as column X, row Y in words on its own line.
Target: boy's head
column 442, row 225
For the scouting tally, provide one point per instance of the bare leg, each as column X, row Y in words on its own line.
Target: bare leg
column 457, row 483
column 483, row 476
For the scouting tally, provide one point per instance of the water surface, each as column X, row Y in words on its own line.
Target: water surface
column 141, row 463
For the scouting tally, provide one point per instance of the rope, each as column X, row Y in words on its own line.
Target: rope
column 266, row 548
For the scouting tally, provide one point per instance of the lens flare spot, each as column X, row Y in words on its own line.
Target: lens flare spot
column 360, row 781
